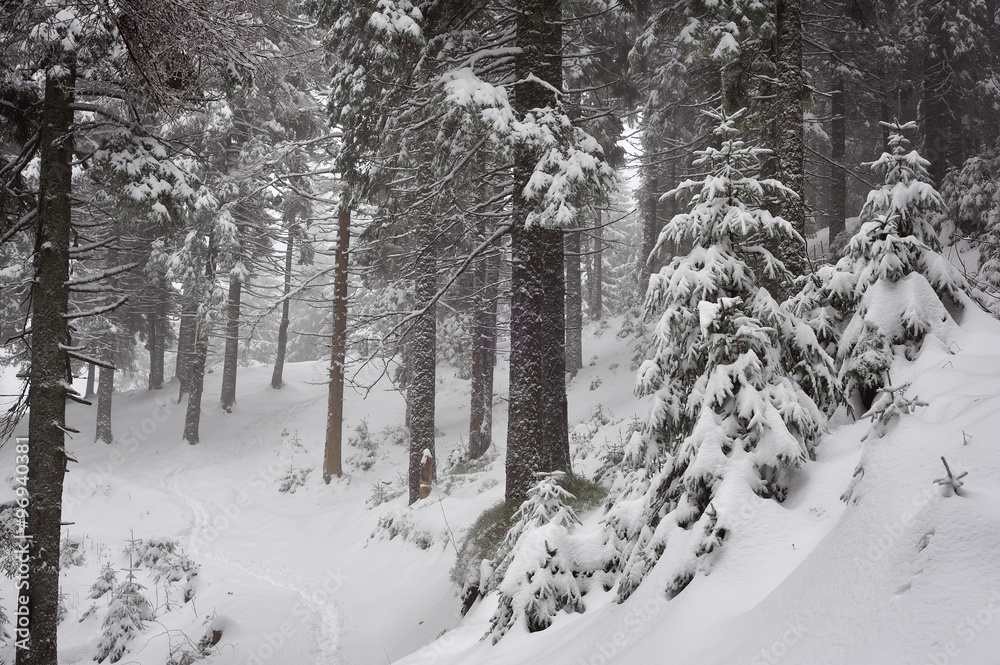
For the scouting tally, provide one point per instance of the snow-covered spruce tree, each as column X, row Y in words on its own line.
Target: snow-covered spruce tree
column 893, row 273
column 741, row 386
column 542, row 567
column 126, row 614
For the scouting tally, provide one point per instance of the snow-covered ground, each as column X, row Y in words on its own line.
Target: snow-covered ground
column 897, row 574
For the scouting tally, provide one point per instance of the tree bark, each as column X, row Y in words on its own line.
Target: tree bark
column 335, row 404
column 186, row 344
column 231, row 356
column 484, row 353
column 105, row 393
column 789, row 125
column 45, row 455
column 574, row 304
column 838, row 152
column 596, row 277
column 537, row 365
column 279, row 359
column 423, row 358
column 650, row 215
column 91, row 372
column 155, row 344
column 192, row 417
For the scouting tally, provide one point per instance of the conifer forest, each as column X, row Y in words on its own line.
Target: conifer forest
column 523, row 332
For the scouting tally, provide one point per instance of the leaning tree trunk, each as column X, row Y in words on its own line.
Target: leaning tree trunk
column 789, row 127
column 423, row 358
column 279, row 358
column 838, row 171
column 484, row 351
column 231, row 355
column 537, row 365
column 574, row 304
column 45, row 453
column 338, row 345
column 105, row 393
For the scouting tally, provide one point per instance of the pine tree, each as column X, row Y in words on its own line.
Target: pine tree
column 740, row 385
column 125, row 619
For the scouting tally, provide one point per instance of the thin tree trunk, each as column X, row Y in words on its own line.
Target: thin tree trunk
column 91, row 372
column 45, row 452
column 596, row 280
column 335, row 405
column 154, row 344
column 484, row 353
column 838, row 152
column 789, row 124
column 574, row 304
column 231, row 356
column 185, row 344
column 279, row 359
column 423, row 358
column 537, row 365
column 649, row 213
column 105, row 393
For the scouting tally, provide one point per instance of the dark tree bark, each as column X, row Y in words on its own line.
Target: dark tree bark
column 335, row 404
column 185, row 345
column 537, row 360
column 279, row 359
column 574, row 304
column 649, row 211
column 596, row 277
column 192, row 417
column 423, row 357
column 789, row 127
column 484, row 352
column 105, row 393
column 838, row 152
column 231, row 355
column 155, row 322
column 46, row 454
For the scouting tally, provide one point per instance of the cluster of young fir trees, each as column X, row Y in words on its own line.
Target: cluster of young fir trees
column 156, row 178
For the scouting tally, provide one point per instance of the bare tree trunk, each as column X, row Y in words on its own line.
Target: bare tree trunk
column 574, row 304
column 838, row 152
column 537, row 364
column 423, row 358
column 596, row 280
column 91, row 371
column 105, row 393
column 192, row 417
column 789, row 124
column 650, row 216
column 186, row 344
column 45, row 453
column 279, row 360
column 155, row 344
column 484, row 352
column 335, row 404
column 232, row 352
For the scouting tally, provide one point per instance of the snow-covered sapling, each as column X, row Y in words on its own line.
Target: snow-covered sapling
column 129, row 609
column 890, row 404
column 951, row 483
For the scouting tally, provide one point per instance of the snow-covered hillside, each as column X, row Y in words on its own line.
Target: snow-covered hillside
column 898, row 573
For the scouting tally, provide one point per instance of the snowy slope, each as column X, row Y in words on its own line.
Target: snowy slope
column 900, row 574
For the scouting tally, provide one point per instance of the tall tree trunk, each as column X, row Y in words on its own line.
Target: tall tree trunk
column 279, row 359
column 484, row 351
column 105, row 393
column 649, row 212
column 423, row 357
column 232, row 352
column 574, row 304
column 154, row 344
column 789, row 124
column 596, row 277
column 91, row 371
column 536, row 271
column 838, row 152
column 192, row 417
column 186, row 344
column 335, row 404
column 46, row 454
